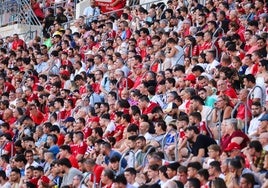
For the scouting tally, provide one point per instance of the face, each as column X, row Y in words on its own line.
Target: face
column 189, row 134
column 14, row 177
column 243, row 183
column 191, row 172
column 171, row 173
column 182, row 177
column 129, row 176
column 256, row 110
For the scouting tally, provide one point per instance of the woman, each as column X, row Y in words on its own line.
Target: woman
column 222, row 109
column 191, row 48
column 163, row 176
column 233, row 134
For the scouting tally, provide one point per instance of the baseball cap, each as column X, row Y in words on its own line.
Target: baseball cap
column 94, row 119
column 231, row 146
column 190, row 77
column 69, row 119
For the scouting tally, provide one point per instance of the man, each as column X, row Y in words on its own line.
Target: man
column 107, row 125
column 172, row 171
column 192, row 169
column 91, row 166
column 108, row 152
column 41, row 64
column 197, row 105
column 146, row 106
column 29, row 155
column 15, row 177
column 60, row 17
column 257, row 93
column 120, row 181
column 247, row 181
column 48, row 159
column 91, row 12
column 114, row 165
column 199, row 142
column 79, row 147
column 107, row 178
column 144, row 131
column 68, row 171
column 65, row 152
column 212, row 62
column 255, row 155
column 224, row 89
column 36, row 114
column 209, row 100
column 130, row 174
column 51, row 142
column 257, row 112
column 214, row 170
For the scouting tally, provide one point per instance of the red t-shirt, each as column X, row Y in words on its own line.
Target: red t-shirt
column 38, row 118
column 149, row 108
column 230, row 92
column 118, row 128
column 60, row 139
column 97, row 170
column 74, row 162
column 79, row 149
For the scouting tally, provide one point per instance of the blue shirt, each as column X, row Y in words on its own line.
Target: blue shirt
column 115, row 153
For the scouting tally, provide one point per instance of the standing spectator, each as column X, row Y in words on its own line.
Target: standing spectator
column 60, row 17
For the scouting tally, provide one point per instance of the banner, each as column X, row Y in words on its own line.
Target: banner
column 105, row 5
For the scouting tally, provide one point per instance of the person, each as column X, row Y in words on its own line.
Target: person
column 68, row 171
column 107, row 177
column 199, row 142
column 234, row 135
column 108, row 153
column 91, row 12
column 174, row 53
column 3, row 180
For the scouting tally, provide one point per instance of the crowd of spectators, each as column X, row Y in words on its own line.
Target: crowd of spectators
column 173, row 96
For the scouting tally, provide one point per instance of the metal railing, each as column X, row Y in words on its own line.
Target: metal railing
column 175, row 140
column 123, row 157
column 18, row 11
column 146, row 154
column 94, row 180
column 219, row 124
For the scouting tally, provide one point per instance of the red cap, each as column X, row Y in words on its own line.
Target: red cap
column 231, row 146
column 94, row 119
column 190, row 77
column 45, row 180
